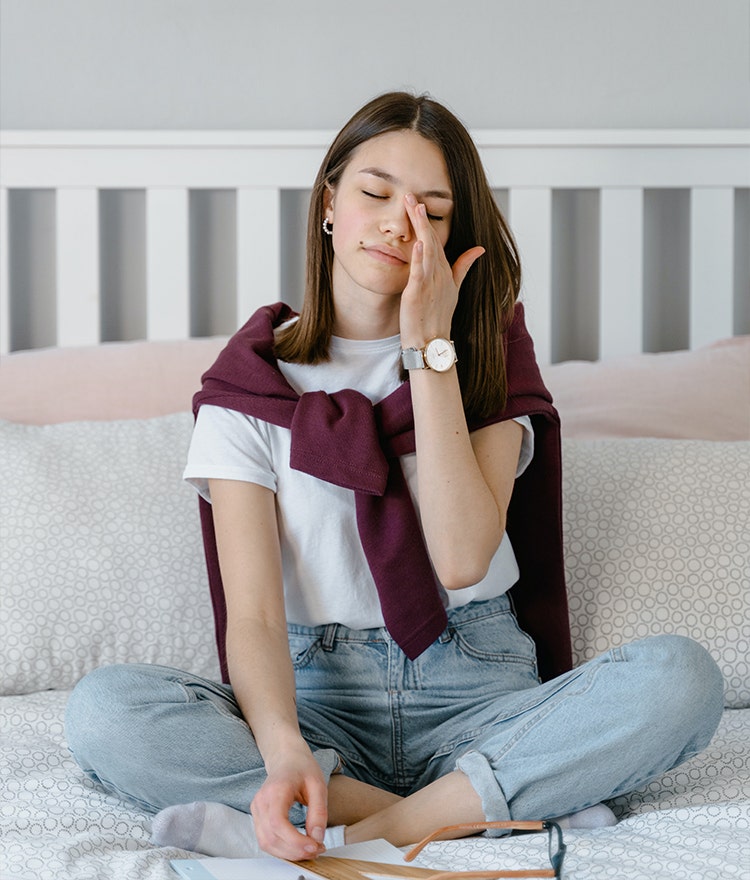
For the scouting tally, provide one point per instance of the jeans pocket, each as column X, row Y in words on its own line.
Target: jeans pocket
column 494, row 637
column 303, row 647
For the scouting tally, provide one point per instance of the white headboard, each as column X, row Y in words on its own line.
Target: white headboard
column 630, row 240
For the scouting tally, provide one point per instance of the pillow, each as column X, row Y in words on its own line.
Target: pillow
column 702, row 394
column 657, row 540
column 114, row 380
column 101, row 557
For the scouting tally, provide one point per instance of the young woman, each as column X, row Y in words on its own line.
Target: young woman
column 358, row 466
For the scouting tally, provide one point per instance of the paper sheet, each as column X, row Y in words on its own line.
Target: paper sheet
column 238, row 869
column 275, row 869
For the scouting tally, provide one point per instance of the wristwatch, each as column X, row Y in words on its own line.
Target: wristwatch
column 439, row 354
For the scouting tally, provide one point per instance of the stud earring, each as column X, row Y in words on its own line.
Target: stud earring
column 327, row 228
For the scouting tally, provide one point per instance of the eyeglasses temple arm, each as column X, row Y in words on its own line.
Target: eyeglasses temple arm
column 491, row 875
column 472, row 826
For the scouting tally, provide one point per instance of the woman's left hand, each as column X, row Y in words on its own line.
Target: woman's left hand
column 431, row 293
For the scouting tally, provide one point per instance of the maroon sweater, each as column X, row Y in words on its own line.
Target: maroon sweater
column 343, row 439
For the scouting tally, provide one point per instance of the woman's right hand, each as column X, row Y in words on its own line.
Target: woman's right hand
column 260, row 668
column 293, row 776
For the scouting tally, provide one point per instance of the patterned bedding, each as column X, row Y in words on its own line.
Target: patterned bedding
column 693, row 824
column 657, row 536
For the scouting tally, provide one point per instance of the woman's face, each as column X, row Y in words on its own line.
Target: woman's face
column 372, row 235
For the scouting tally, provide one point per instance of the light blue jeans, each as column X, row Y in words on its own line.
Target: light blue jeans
column 472, row 702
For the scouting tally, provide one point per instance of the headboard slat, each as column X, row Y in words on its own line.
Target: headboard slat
column 258, row 249
column 530, row 210
column 620, row 271
column 711, row 264
column 4, row 273
column 77, row 266
column 630, row 240
column 167, row 263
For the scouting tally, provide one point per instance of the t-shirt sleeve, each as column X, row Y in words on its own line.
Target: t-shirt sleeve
column 228, row 445
column 527, row 444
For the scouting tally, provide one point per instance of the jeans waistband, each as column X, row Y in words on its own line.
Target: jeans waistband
column 330, row 633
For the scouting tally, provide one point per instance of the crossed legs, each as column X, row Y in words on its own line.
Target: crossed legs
column 600, row 731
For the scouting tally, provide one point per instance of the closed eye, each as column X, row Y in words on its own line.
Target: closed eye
column 376, row 196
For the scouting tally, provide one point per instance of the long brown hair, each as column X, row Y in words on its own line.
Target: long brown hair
column 489, row 292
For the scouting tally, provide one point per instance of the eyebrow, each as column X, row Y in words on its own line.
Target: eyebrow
column 429, row 194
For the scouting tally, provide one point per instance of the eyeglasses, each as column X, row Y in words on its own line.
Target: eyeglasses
column 556, row 850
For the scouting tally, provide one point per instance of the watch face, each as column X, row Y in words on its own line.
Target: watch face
column 440, row 355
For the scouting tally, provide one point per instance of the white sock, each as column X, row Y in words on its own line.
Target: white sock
column 216, row 830
column 598, row 816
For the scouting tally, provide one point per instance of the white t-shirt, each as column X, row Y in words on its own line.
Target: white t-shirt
column 326, row 576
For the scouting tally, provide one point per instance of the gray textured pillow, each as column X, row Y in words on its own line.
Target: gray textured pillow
column 657, row 540
column 101, row 559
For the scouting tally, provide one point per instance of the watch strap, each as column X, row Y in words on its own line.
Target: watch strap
column 413, row 359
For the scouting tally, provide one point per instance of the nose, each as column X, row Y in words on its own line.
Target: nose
column 395, row 221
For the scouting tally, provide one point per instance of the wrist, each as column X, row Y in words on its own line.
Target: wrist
column 277, row 740
column 283, row 750
column 420, row 336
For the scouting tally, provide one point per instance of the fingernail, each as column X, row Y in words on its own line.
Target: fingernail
column 411, row 199
column 318, row 834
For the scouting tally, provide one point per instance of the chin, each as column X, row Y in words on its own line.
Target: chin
column 381, row 286
column 388, row 293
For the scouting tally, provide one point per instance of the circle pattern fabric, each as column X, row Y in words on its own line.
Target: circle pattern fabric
column 101, row 561
column 657, row 540
column 101, row 555
column 692, row 823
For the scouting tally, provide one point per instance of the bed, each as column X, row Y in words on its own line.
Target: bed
column 638, row 293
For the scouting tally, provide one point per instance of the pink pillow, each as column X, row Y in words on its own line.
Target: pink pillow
column 116, row 380
column 702, row 394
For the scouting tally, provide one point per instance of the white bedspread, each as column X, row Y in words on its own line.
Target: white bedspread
column 693, row 824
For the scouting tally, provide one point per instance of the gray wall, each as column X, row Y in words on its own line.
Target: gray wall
column 234, row 64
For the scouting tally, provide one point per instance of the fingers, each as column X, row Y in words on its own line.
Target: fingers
column 420, row 222
column 275, row 833
column 428, row 251
column 417, row 268
column 317, row 812
column 427, row 256
column 464, row 263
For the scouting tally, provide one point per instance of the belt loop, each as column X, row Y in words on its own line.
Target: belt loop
column 328, row 642
column 447, row 635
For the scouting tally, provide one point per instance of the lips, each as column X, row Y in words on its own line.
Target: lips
column 386, row 254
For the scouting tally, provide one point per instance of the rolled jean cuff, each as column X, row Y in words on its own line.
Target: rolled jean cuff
column 482, row 778
column 330, row 763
